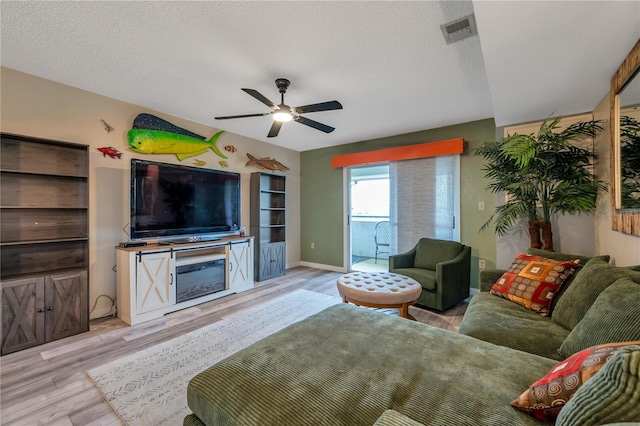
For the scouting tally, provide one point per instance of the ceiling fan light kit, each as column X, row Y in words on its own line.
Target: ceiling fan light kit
column 282, row 116
column 283, row 113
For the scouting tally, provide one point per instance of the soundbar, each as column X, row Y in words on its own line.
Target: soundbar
column 133, row 244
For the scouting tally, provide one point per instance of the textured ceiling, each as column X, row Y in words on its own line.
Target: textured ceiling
column 386, row 62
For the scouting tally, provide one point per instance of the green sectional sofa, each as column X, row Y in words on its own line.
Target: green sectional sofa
column 561, row 334
column 352, row 366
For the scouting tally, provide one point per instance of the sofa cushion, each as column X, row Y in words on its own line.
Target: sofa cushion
column 582, row 260
column 611, row 396
column 613, row 317
column 426, row 277
column 545, row 398
column 504, row 323
column 393, row 418
column 594, row 277
column 324, row 370
column 532, row 281
column 565, row 256
column 430, row 252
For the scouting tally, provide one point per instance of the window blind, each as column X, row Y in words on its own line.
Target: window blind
column 422, row 200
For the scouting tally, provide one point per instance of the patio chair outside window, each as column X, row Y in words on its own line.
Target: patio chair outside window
column 382, row 237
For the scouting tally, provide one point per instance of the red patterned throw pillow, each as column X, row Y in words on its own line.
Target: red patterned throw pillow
column 545, row 398
column 532, row 281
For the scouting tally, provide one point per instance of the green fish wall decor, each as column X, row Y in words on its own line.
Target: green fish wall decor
column 153, row 135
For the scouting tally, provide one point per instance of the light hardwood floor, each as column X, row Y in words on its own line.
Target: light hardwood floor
column 47, row 385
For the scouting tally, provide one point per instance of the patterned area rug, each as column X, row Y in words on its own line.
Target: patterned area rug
column 150, row 386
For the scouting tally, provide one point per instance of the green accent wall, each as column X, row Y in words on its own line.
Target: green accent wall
column 322, row 194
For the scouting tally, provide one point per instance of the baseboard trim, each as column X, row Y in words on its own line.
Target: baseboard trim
column 324, row 267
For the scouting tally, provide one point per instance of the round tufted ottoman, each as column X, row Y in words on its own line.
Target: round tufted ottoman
column 380, row 290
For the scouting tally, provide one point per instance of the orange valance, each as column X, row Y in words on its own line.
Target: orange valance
column 408, row 152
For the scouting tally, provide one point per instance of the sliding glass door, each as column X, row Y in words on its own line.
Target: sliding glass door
column 369, row 218
column 391, row 206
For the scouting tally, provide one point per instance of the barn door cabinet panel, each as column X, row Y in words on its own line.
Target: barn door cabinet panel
column 154, row 278
column 240, row 264
column 272, row 260
column 268, row 224
column 66, row 307
column 22, row 314
column 44, row 229
column 42, row 309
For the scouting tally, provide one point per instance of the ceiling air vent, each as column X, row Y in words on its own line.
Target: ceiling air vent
column 459, row 29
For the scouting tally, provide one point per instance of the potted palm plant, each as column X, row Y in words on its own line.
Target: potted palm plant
column 541, row 174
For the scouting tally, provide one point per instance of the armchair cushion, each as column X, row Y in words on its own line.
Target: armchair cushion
column 430, row 252
column 426, row 277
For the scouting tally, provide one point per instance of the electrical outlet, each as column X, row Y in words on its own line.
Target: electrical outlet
column 481, row 205
column 313, row 245
column 481, row 264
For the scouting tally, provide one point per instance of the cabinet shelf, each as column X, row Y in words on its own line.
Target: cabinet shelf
column 43, row 174
column 40, row 224
column 44, row 228
column 83, row 207
column 63, row 240
column 268, row 191
column 268, row 213
column 26, row 155
column 58, row 271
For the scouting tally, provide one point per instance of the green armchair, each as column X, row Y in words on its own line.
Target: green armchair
column 442, row 268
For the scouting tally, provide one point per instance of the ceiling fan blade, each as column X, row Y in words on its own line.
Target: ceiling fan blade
column 314, row 124
column 259, row 96
column 275, row 129
column 323, row 106
column 242, row 116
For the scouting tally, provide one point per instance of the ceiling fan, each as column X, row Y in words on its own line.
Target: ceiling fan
column 283, row 113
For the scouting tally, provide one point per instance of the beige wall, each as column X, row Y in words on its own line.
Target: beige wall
column 41, row 108
column 624, row 249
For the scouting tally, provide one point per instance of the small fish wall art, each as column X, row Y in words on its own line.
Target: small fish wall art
column 110, row 151
column 266, row 163
column 199, row 163
column 223, row 163
column 107, row 127
column 153, row 135
column 230, row 148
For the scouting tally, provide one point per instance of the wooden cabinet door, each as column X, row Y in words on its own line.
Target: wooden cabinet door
column 264, row 262
column 272, row 260
column 266, row 269
column 22, row 314
column 239, row 264
column 154, row 282
column 278, row 258
column 67, row 305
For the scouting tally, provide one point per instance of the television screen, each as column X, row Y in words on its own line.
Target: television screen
column 174, row 200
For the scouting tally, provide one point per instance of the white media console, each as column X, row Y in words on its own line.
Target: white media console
column 154, row 280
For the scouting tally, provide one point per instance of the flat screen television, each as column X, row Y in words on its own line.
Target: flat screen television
column 169, row 200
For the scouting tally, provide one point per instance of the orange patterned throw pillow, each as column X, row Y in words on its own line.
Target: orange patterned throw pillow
column 545, row 398
column 532, row 281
